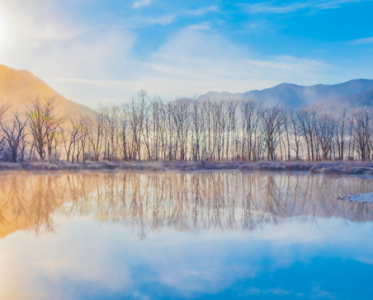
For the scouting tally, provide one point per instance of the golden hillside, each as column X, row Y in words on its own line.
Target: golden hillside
column 19, row 88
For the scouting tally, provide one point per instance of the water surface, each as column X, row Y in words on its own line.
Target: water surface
column 222, row 235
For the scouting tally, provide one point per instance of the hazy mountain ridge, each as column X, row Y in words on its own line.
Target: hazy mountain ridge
column 351, row 93
column 19, row 87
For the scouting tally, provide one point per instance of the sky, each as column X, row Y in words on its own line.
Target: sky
column 104, row 51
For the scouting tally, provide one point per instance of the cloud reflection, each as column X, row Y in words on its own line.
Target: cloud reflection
column 167, row 235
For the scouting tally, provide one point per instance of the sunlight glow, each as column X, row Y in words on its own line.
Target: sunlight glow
column 4, row 28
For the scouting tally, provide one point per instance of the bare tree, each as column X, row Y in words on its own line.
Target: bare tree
column 340, row 134
column 136, row 112
column 95, row 134
column 362, row 131
column 325, row 125
column 272, row 118
column 198, row 123
column 3, row 108
column 83, row 132
column 43, row 123
column 15, row 136
column 70, row 137
column 296, row 135
column 180, row 116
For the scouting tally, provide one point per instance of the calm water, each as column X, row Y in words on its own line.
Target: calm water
column 184, row 236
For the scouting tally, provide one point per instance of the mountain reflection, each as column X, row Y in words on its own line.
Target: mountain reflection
column 184, row 202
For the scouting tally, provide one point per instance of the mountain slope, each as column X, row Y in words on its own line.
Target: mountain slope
column 19, row 88
column 350, row 93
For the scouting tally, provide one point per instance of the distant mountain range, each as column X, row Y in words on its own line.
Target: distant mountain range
column 19, row 88
column 352, row 93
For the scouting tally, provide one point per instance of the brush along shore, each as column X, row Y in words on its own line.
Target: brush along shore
column 336, row 167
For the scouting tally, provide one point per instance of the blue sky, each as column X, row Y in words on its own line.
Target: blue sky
column 104, row 51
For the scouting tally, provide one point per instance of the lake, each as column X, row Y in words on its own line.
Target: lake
column 205, row 235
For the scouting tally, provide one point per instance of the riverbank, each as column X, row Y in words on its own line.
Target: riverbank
column 360, row 168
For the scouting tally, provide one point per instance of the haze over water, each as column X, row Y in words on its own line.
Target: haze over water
column 174, row 236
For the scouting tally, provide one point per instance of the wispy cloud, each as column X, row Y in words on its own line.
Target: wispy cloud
column 270, row 7
column 138, row 22
column 364, row 41
column 164, row 20
column 141, row 3
column 203, row 10
column 201, row 26
column 317, row 293
column 276, row 291
column 169, row 18
column 195, row 61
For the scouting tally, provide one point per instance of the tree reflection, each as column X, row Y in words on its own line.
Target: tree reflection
column 29, row 202
column 183, row 202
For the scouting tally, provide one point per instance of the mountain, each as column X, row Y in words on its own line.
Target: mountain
column 350, row 94
column 19, row 88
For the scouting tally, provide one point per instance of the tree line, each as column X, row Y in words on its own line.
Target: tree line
column 186, row 129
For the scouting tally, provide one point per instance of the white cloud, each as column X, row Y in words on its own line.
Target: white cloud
column 201, row 26
column 364, row 41
column 139, row 22
column 276, row 292
column 140, row 3
column 203, row 10
column 193, row 62
column 207, row 61
column 266, row 7
column 269, row 7
column 92, row 55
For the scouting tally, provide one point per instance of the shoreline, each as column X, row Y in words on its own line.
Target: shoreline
column 334, row 167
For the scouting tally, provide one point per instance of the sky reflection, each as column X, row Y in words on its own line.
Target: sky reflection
column 172, row 236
